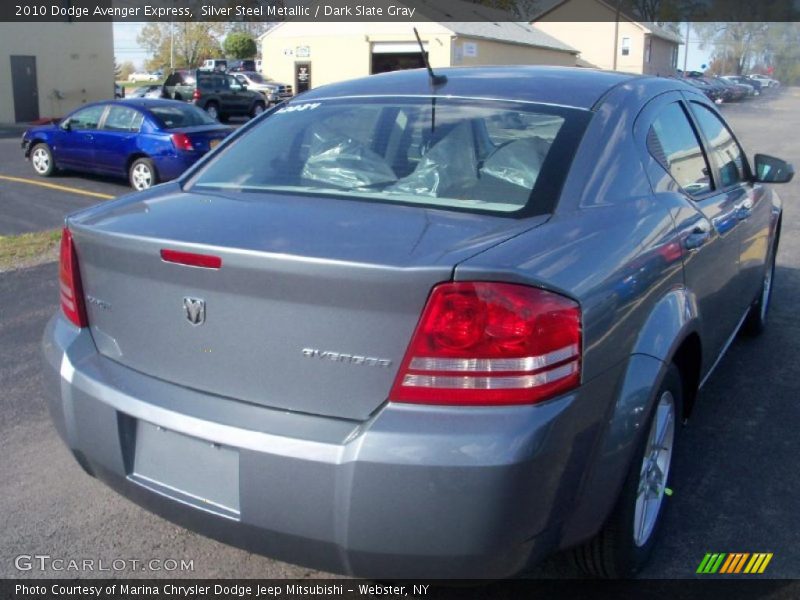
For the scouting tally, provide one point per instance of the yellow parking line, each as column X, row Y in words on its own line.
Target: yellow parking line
column 53, row 186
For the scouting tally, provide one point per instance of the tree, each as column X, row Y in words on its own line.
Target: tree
column 125, row 70
column 736, row 44
column 779, row 49
column 240, row 45
column 524, row 10
column 192, row 43
column 254, row 28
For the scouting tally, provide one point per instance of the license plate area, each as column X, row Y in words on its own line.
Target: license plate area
column 214, row 143
column 187, row 469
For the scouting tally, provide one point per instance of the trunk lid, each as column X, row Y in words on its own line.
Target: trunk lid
column 311, row 311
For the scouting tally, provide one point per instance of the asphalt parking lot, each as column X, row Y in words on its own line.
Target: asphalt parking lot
column 736, row 486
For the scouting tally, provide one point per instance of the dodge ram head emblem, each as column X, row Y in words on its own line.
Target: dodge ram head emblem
column 195, row 310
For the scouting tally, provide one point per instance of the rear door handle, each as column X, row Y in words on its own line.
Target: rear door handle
column 698, row 237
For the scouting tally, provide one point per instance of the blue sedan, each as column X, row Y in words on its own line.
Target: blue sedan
column 145, row 140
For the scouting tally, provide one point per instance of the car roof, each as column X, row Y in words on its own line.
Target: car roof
column 566, row 86
column 148, row 103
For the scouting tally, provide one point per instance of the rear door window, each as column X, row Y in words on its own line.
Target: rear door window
column 672, row 141
column 725, row 152
column 122, row 118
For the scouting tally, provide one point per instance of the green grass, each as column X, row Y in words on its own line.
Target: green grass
column 28, row 249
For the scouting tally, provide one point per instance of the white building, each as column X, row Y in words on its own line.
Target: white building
column 48, row 69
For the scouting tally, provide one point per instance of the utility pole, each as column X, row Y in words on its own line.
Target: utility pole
column 171, row 45
column 616, row 34
column 686, row 52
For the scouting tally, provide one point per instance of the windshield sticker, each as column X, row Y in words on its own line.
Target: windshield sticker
column 298, row 107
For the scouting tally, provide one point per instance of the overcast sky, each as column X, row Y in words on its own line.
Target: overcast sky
column 126, row 48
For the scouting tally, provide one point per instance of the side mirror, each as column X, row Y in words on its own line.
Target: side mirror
column 772, row 170
column 66, row 125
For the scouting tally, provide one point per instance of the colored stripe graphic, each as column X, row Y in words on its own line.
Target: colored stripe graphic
column 711, row 563
column 758, row 563
column 734, row 563
column 724, row 563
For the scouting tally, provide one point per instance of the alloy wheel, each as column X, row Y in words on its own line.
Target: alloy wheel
column 655, row 469
column 142, row 177
column 41, row 160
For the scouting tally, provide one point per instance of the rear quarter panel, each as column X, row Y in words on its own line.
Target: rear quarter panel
column 612, row 246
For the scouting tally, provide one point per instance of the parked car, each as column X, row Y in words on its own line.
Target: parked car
column 751, row 87
column 242, row 65
column 142, row 76
column 147, row 141
column 215, row 64
column 758, row 85
column 417, row 327
column 765, row 81
column 737, row 91
column 119, row 91
column 273, row 91
column 712, row 92
column 148, row 91
column 730, row 93
column 221, row 95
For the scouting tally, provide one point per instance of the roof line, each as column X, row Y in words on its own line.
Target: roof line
column 643, row 25
column 607, row 93
column 566, row 49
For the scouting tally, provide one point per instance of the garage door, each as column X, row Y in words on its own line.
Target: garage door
column 393, row 56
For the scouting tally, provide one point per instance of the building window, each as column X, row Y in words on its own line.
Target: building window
column 626, row 46
column 647, row 49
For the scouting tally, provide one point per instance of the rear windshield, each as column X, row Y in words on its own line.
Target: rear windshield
column 474, row 155
column 177, row 116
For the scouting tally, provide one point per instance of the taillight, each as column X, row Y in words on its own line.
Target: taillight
column 181, row 141
column 485, row 343
column 70, row 282
column 196, row 94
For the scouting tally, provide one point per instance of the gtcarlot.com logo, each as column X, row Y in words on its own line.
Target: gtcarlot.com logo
column 45, row 562
column 734, row 563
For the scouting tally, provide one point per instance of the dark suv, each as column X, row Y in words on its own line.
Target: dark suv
column 237, row 66
column 219, row 94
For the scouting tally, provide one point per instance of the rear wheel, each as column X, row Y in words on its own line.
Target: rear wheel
column 258, row 108
column 756, row 320
column 42, row 160
column 627, row 539
column 142, row 174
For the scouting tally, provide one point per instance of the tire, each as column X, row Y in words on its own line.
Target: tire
column 142, row 174
column 212, row 108
column 42, row 160
column 258, row 109
column 627, row 539
column 756, row 320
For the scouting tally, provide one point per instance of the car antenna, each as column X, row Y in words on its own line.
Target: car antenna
column 435, row 79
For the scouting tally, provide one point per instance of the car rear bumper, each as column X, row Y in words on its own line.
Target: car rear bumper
column 414, row 492
column 172, row 166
